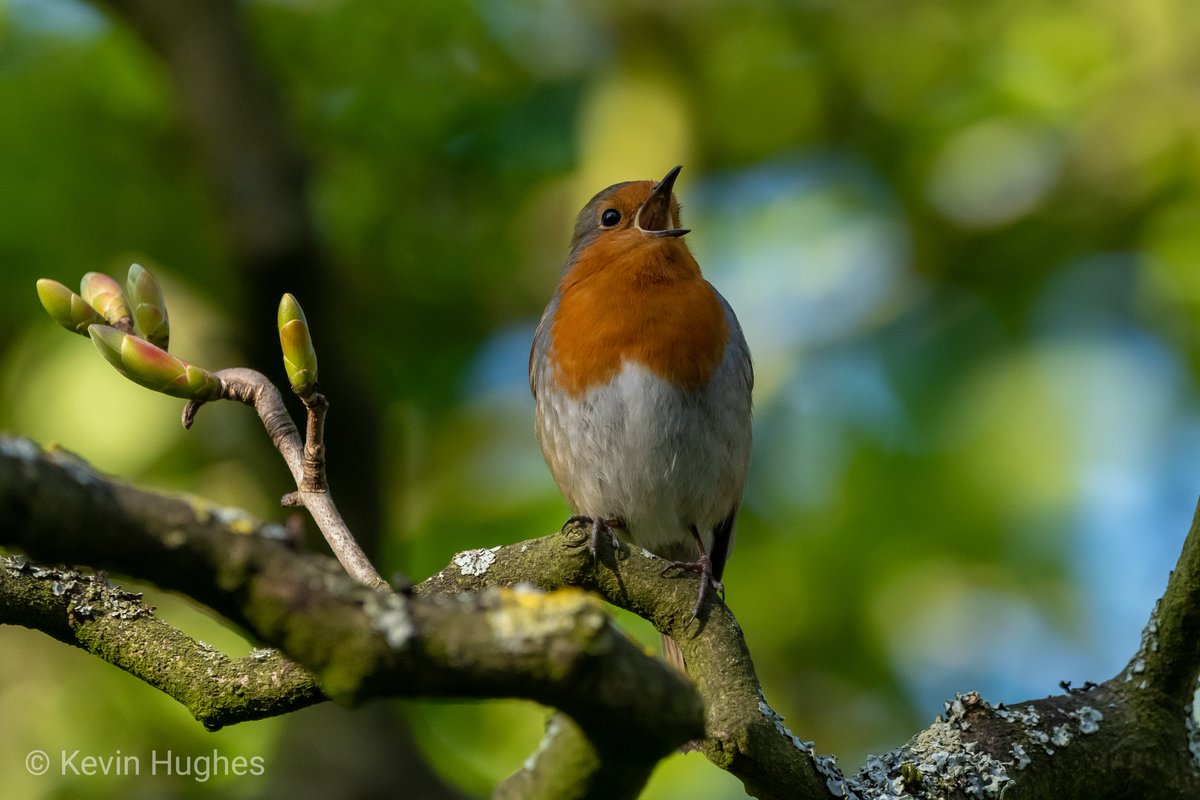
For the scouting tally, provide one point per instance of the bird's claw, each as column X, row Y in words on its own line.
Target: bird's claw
column 708, row 580
column 600, row 527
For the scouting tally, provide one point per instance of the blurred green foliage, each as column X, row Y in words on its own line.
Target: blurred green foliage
column 962, row 240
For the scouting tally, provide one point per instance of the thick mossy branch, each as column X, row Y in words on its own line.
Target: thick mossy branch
column 744, row 735
column 1133, row 736
column 1105, row 741
column 480, row 628
column 106, row 621
column 559, row 648
column 1169, row 656
column 1126, row 733
column 568, row 766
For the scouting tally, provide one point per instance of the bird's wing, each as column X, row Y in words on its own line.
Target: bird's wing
column 539, row 350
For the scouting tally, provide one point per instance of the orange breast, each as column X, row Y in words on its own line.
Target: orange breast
column 639, row 299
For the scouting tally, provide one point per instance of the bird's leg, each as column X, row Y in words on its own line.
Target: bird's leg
column 703, row 566
column 600, row 527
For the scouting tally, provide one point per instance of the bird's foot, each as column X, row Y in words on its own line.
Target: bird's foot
column 600, row 527
column 702, row 566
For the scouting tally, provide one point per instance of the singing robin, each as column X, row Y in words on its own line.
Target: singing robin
column 642, row 379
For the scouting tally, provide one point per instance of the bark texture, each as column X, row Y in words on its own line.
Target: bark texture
column 512, row 621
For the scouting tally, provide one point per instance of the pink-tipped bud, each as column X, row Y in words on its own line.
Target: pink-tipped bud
column 105, row 295
column 153, row 367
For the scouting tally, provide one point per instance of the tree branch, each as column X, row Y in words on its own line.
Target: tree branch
column 116, row 626
column 744, row 735
column 567, row 765
column 558, row 648
column 255, row 390
column 1134, row 731
column 1169, row 656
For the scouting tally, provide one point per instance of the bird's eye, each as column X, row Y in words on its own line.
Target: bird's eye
column 610, row 218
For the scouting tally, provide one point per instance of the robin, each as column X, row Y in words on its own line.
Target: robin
column 641, row 380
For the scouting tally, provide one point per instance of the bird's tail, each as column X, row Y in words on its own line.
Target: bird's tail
column 672, row 654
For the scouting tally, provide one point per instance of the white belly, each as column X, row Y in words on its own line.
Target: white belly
column 642, row 451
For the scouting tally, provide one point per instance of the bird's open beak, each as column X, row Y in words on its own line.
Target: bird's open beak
column 654, row 217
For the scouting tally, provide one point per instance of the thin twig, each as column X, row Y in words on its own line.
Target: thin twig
column 254, row 389
column 314, row 480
